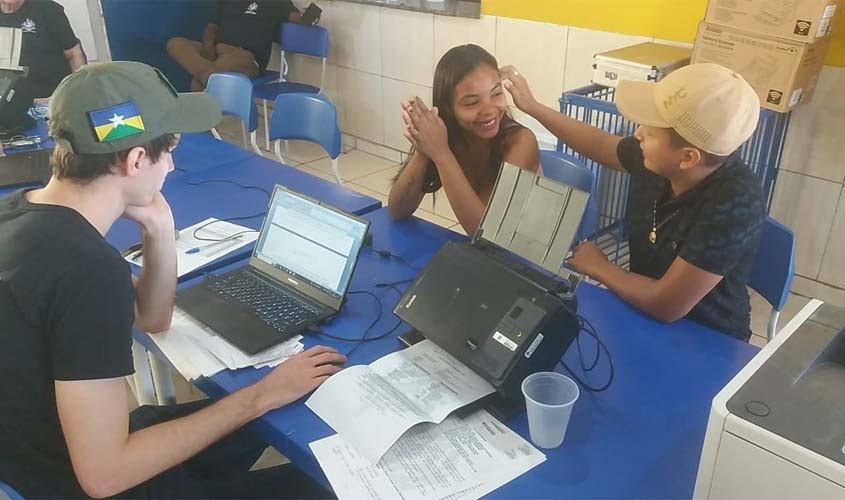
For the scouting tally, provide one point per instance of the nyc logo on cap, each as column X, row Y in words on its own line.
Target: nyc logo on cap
column 116, row 122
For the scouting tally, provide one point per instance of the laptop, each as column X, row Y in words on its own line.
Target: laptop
column 297, row 276
column 25, row 169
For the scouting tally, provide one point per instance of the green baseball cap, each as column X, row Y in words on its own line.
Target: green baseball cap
column 114, row 106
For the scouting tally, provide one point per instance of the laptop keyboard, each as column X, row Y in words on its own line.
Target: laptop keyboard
column 276, row 308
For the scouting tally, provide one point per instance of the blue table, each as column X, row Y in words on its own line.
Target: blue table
column 39, row 130
column 199, row 191
column 641, row 438
column 199, row 151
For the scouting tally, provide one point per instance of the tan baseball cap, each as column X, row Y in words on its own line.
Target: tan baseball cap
column 710, row 106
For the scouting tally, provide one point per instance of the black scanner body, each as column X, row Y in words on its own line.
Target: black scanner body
column 497, row 315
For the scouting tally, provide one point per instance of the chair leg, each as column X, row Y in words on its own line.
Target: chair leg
column 165, row 393
column 254, row 141
column 216, row 134
column 266, row 125
column 771, row 328
column 144, row 387
column 277, row 147
column 336, row 173
column 243, row 131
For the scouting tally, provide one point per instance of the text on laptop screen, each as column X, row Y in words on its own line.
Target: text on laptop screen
column 310, row 242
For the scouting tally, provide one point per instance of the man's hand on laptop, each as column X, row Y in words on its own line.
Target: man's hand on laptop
column 298, row 376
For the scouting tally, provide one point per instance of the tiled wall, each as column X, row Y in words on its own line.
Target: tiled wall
column 380, row 56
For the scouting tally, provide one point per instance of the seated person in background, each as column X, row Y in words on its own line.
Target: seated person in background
column 461, row 142
column 239, row 40
column 49, row 49
column 695, row 210
column 68, row 303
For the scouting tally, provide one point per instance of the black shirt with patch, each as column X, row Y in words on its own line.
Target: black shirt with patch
column 714, row 226
column 66, row 310
column 46, row 35
column 252, row 25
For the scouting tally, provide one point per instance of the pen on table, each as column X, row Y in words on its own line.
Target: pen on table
column 200, row 248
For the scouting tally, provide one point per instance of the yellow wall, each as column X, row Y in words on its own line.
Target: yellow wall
column 664, row 19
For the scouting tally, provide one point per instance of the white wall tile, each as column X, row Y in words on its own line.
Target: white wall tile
column 538, row 50
column 583, row 45
column 360, row 99
column 355, row 37
column 815, row 144
column 407, row 45
column 806, row 205
column 452, row 31
column 305, row 69
column 833, row 262
column 394, row 93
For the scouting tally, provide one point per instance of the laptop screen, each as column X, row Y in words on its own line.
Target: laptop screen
column 310, row 241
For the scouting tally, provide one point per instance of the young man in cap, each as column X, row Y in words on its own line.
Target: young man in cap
column 68, row 304
column 694, row 209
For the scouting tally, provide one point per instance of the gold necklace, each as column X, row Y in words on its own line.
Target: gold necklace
column 652, row 236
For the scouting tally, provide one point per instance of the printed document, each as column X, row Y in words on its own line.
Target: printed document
column 192, row 252
column 455, row 460
column 195, row 350
column 372, row 406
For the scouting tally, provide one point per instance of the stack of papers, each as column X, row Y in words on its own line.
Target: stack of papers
column 193, row 253
column 197, row 351
column 455, row 460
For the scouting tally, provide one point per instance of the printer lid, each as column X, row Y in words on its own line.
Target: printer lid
column 534, row 217
column 10, row 48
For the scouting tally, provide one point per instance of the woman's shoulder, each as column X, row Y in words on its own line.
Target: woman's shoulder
column 517, row 135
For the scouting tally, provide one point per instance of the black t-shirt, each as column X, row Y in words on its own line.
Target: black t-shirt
column 66, row 310
column 714, row 226
column 252, row 25
column 46, row 35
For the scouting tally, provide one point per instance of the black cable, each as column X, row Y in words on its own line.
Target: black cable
column 365, row 336
column 387, row 254
column 584, row 325
column 227, row 219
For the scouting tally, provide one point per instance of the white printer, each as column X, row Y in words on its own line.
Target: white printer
column 777, row 430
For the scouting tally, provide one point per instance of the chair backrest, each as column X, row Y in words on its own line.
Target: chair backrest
column 308, row 117
column 11, row 493
column 569, row 170
column 233, row 92
column 774, row 264
column 300, row 39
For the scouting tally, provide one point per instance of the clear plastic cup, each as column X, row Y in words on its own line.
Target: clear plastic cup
column 549, row 398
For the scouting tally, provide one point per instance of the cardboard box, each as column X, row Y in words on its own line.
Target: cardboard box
column 784, row 73
column 801, row 20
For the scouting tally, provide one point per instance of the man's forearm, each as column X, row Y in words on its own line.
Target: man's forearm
column 142, row 455
column 638, row 290
column 156, row 285
column 590, row 141
column 209, row 42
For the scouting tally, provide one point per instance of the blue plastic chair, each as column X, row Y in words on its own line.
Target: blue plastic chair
column 295, row 39
column 308, row 117
column 569, row 170
column 10, row 492
column 233, row 92
column 773, row 269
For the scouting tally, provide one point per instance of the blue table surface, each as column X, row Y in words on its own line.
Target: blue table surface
column 39, row 130
column 640, row 438
column 198, row 191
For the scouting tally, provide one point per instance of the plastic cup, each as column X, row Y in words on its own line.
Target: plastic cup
column 549, row 398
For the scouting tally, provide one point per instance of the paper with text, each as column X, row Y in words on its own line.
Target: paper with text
column 372, row 406
column 455, row 460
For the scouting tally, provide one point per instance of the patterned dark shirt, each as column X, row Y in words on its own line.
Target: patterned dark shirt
column 714, row 226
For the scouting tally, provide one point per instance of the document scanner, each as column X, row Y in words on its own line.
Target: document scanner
column 500, row 303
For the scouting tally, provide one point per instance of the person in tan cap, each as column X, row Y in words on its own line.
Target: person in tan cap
column 68, row 303
column 695, row 211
